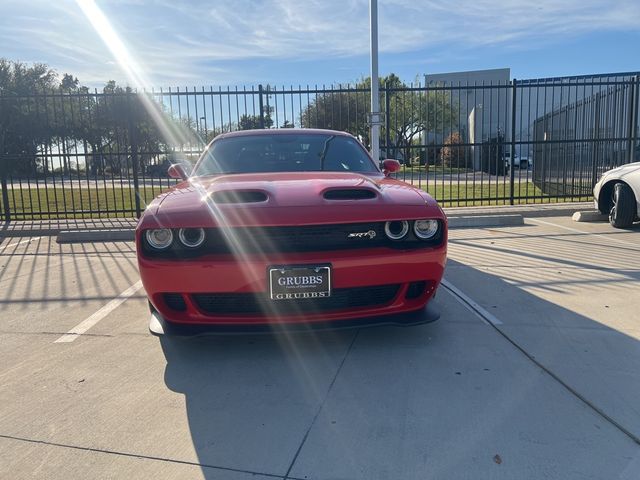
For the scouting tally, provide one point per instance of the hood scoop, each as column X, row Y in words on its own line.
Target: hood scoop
column 238, row 196
column 349, row 194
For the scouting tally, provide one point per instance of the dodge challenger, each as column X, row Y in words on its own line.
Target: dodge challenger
column 290, row 228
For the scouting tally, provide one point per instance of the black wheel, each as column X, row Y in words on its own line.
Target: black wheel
column 623, row 206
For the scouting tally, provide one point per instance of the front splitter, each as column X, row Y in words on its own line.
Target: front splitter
column 159, row 326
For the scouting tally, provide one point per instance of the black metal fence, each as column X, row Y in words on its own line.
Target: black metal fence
column 105, row 154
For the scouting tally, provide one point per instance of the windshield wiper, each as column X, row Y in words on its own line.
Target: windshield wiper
column 324, row 151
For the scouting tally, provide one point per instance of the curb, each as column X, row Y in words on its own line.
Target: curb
column 532, row 210
column 52, row 228
column 476, row 221
column 589, row 216
column 78, row 236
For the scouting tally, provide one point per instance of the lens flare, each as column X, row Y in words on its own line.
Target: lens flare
column 175, row 135
column 172, row 133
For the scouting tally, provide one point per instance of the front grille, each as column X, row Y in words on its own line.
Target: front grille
column 261, row 304
column 290, row 239
column 415, row 290
column 297, row 238
column 175, row 301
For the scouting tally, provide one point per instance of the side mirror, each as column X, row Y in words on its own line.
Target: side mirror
column 179, row 171
column 390, row 166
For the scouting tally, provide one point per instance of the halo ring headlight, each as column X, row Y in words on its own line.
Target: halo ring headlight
column 191, row 237
column 159, row 238
column 397, row 229
column 426, row 229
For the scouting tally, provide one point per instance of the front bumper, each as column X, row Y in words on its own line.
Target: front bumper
column 160, row 327
column 350, row 269
column 596, row 193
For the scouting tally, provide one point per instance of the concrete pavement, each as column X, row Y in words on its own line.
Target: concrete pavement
column 551, row 392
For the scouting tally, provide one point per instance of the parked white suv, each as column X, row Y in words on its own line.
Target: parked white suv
column 617, row 194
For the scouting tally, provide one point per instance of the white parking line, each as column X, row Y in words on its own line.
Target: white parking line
column 575, row 230
column 470, row 304
column 20, row 243
column 85, row 325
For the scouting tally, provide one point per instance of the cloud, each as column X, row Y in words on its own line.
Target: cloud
column 202, row 41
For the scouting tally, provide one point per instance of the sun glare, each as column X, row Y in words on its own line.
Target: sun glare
column 132, row 69
column 136, row 77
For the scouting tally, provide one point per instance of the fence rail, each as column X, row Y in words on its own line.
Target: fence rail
column 105, row 154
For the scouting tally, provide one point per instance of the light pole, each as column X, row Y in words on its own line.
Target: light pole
column 375, row 118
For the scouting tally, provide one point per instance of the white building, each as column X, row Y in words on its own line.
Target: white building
column 483, row 99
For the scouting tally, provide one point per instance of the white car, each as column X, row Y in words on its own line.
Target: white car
column 518, row 162
column 617, row 194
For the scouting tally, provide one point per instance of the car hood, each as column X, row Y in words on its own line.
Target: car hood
column 623, row 169
column 619, row 173
column 289, row 199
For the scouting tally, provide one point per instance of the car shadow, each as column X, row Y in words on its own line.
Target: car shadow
column 251, row 401
column 250, row 398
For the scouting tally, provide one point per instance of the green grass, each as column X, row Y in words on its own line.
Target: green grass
column 461, row 195
column 51, row 202
column 44, row 203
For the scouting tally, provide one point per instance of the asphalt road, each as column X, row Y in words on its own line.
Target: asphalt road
column 531, row 373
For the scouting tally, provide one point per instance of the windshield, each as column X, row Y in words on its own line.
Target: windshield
column 284, row 153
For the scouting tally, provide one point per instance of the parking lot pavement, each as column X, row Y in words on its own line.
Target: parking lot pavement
column 547, row 391
column 567, row 294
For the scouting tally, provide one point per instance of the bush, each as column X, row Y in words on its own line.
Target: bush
column 454, row 154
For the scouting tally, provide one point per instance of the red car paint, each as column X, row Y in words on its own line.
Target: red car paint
column 293, row 199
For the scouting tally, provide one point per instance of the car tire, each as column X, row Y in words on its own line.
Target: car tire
column 623, row 208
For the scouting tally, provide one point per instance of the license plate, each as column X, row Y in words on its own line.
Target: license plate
column 295, row 282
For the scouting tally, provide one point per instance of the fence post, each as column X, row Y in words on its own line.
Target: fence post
column 3, row 183
column 133, row 144
column 261, row 102
column 633, row 118
column 513, row 143
column 4, row 159
column 636, row 127
column 596, row 134
column 387, row 123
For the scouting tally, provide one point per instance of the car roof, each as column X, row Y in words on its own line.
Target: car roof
column 283, row 131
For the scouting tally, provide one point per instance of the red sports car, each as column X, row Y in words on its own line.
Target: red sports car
column 289, row 228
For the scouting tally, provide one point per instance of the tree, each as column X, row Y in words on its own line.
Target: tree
column 46, row 120
column 415, row 113
column 249, row 122
column 346, row 110
column 412, row 112
column 24, row 117
column 253, row 122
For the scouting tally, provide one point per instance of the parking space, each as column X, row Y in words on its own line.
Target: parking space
column 568, row 296
column 531, row 372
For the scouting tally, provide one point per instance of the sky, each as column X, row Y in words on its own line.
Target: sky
column 309, row 42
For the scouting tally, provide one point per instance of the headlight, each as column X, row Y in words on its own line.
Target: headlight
column 396, row 230
column 425, row 229
column 191, row 237
column 159, row 238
